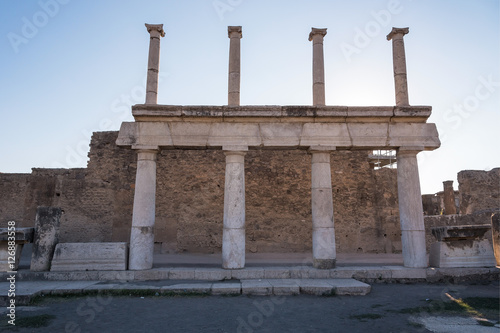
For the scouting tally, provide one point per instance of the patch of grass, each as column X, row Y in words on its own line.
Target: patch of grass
column 366, row 316
column 35, row 321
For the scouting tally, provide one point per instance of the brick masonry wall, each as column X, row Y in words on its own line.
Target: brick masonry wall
column 479, row 190
column 97, row 201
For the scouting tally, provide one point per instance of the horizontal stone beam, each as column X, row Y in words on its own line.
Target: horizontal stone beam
column 273, row 113
column 278, row 135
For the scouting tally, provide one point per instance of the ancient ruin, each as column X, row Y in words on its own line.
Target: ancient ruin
column 238, row 179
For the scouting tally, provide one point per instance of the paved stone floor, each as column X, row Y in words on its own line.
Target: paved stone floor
column 388, row 308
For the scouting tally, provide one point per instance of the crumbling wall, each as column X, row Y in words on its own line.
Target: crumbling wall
column 97, row 201
column 479, row 190
column 12, row 191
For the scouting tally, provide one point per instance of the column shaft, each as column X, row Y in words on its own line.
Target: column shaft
column 399, row 64
column 410, row 210
column 155, row 31
column 234, row 33
column 233, row 235
column 323, row 233
column 449, row 198
column 316, row 36
column 143, row 216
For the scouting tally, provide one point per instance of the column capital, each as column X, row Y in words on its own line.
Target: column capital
column 397, row 32
column 234, row 31
column 235, row 149
column 155, row 30
column 317, row 31
column 321, row 149
column 448, row 183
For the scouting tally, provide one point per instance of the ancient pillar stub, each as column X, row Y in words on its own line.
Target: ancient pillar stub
column 143, row 213
column 449, row 198
column 399, row 63
column 234, row 34
column 47, row 223
column 155, row 32
column 316, row 36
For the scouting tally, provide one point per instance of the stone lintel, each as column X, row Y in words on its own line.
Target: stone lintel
column 155, row 30
column 234, row 31
column 397, row 31
column 235, row 149
column 317, row 31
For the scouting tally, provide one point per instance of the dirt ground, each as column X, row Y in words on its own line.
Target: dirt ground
column 388, row 308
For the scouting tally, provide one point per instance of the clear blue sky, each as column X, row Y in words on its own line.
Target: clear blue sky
column 71, row 67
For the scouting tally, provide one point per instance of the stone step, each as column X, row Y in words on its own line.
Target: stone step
column 26, row 290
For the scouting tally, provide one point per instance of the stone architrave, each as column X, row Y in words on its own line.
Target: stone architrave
column 155, row 32
column 233, row 235
column 316, row 36
column 323, row 232
column 235, row 35
column 46, row 237
column 411, row 214
column 449, row 198
column 399, row 64
column 143, row 217
column 495, row 235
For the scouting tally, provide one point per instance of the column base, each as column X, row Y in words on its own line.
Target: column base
column 324, row 263
column 141, row 248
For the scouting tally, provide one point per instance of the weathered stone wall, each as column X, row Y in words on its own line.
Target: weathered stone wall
column 479, row 190
column 12, row 191
column 97, row 201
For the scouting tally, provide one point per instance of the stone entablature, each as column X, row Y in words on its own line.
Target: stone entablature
column 170, row 126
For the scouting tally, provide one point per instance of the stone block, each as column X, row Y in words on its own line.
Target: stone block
column 256, row 287
column 90, row 257
column 368, row 135
column 117, row 275
column 316, row 287
column 350, row 287
column 186, row 134
column 325, row 134
column 188, row 288
column 226, row 289
column 276, row 273
column 462, row 253
column 280, row 135
column 211, row 274
column 181, row 273
column 285, row 286
column 46, row 237
column 234, row 134
column 247, row 273
column 398, row 272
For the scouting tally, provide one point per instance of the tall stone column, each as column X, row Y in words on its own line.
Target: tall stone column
column 449, row 198
column 316, row 36
column 234, row 33
column 155, row 32
column 323, row 233
column 411, row 213
column 233, row 234
column 143, row 216
column 399, row 63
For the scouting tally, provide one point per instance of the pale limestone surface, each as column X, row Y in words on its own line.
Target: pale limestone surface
column 323, row 232
column 143, row 218
column 235, row 35
column 399, row 64
column 316, row 36
column 90, row 257
column 410, row 209
column 155, row 32
column 233, row 235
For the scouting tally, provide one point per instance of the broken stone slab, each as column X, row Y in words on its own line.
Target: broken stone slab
column 11, row 245
column 46, row 237
column 461, row 246
column 90, row 257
